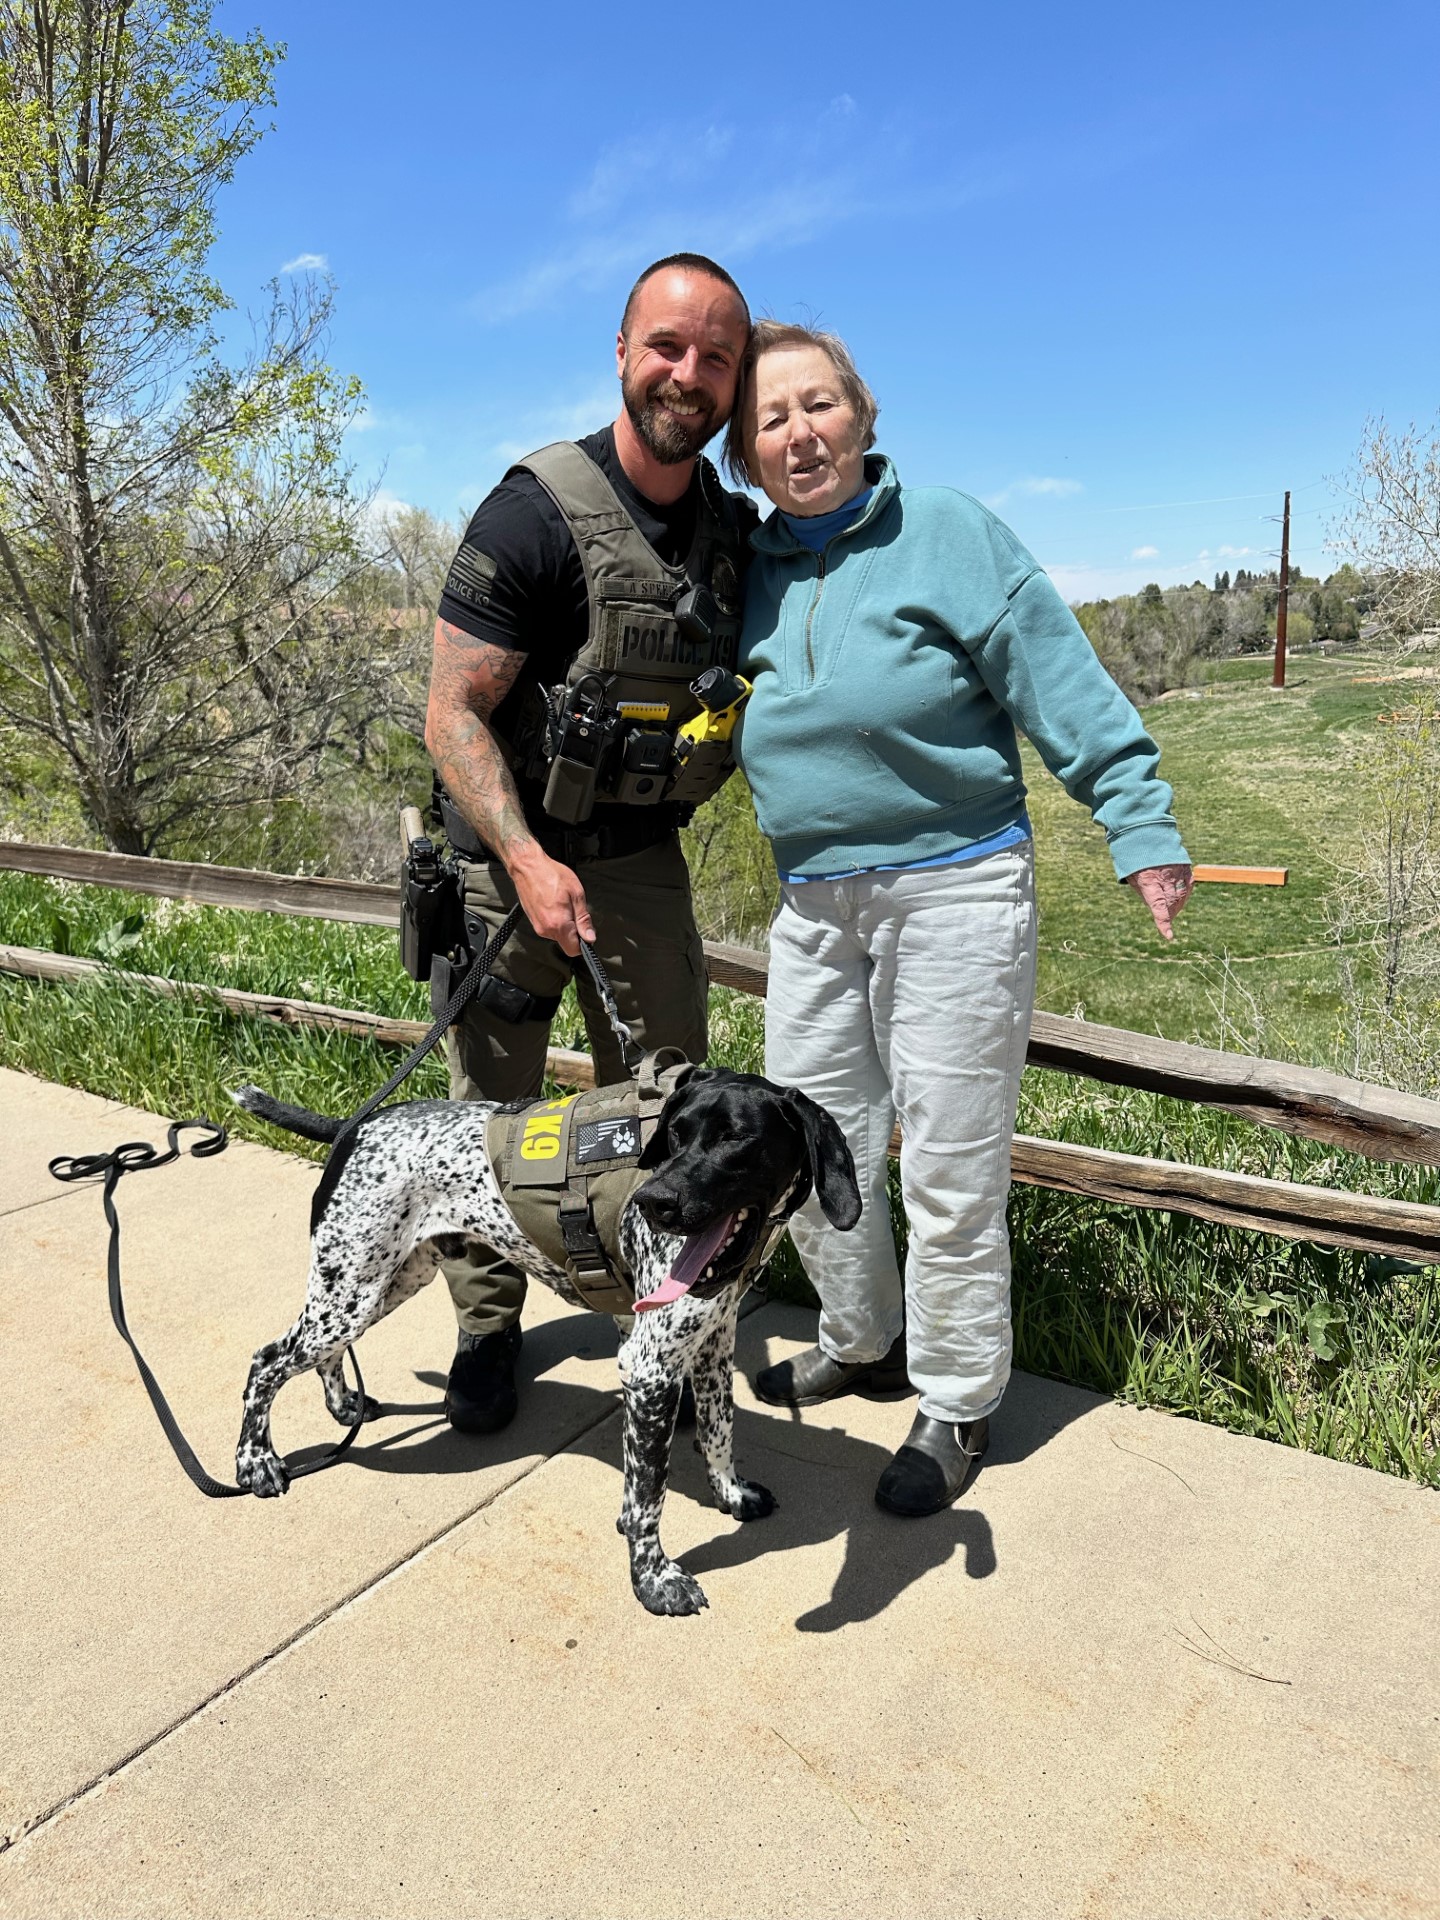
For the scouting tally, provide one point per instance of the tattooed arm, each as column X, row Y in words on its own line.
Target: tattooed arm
column 468, row 680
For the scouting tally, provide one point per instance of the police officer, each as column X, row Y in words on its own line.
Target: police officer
column 579, row 559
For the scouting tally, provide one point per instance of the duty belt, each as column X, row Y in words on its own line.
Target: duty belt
column 613, row 840
column 643, row 827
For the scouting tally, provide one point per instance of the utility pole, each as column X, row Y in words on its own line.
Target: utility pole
column 1282, row 611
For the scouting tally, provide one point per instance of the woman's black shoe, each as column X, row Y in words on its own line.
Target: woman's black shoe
column 813, row 1376
column 933, row 1467
column 480, row 1393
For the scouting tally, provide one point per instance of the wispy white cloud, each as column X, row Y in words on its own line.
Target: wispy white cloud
column 1236, row 553
column 382, row 508
column 631, row 165
column 730, row 196
column 562, row 420
column 1033, row 486
column 776, row 218
column 736, row 190
column 1145, row 553
column 308, row 263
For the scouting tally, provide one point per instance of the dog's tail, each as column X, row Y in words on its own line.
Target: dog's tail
column 314, row 1126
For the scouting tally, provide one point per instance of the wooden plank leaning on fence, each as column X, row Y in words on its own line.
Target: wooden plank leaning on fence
column 1377, row 1122
column 1282, row 1207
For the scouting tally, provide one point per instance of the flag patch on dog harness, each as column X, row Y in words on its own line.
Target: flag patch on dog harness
column 615, row 1139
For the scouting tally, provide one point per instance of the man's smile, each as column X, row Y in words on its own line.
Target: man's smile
column 683, row 406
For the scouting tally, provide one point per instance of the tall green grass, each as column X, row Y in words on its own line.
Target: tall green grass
column 1261, row 778
column 1335, row 1352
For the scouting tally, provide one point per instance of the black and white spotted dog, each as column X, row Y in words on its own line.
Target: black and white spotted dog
column 733, row 1157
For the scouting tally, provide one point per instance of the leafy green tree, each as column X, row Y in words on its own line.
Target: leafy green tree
column 174, row 528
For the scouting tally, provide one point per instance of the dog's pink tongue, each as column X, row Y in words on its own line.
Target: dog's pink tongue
column 690, row 1263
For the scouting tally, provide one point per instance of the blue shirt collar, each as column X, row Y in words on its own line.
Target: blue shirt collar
column 781, row 534
column 813, row 530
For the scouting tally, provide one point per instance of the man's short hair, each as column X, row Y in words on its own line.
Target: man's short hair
column 768, row 334
column 689, row 263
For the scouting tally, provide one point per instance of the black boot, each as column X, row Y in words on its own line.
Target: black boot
column 933, row 1467
column 813, row 1376
column 480, row 1393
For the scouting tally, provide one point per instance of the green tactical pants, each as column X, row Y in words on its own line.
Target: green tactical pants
column 647, row 939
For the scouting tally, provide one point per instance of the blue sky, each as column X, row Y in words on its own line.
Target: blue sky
column 1125, row 272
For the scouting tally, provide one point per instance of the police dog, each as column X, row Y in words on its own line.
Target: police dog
column 732, row 1158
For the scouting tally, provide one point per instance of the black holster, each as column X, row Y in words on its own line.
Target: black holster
column 502, row 998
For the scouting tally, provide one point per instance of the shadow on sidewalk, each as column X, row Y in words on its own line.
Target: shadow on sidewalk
column 823, row 1476
column 553, row 1413
column 824, row 1480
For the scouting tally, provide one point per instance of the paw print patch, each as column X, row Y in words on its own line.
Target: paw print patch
column 615, row 1139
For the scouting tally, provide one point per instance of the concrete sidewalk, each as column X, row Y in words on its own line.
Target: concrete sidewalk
column 1144, row 1667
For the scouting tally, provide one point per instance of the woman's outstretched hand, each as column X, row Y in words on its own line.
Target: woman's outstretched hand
column 1165, row 891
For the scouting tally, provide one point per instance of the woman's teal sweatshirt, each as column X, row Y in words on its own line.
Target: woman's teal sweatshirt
column 891, row 671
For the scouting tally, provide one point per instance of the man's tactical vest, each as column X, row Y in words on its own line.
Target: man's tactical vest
column 568, row 1167
column 633, row 633
column 634, row 639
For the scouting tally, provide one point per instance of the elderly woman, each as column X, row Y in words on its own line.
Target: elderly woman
column 897, row 638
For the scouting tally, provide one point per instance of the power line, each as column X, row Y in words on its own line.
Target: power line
column 1216, row 500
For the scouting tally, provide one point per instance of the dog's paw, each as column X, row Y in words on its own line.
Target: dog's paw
column 745, row 1499
column 668, row 1589
column 345, row 1413
column 263, row 1474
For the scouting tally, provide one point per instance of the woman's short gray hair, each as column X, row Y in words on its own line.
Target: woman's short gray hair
column 765, row 336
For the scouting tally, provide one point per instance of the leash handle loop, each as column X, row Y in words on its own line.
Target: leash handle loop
column 136, row 1156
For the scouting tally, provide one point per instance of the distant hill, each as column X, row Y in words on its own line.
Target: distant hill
column 1162, row 637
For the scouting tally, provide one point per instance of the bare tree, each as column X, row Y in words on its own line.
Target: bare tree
column 1391, row 529
column 175, row 531
column 416, row 547
column 1389, row 899
column 419, row 545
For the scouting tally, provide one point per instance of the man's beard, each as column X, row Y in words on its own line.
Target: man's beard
column 670, row 440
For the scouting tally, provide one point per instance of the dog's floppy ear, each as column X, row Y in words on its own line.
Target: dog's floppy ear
column 657, row 1148
column 831, row 1164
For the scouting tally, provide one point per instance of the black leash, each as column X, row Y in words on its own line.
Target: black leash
column 631, row 1052
column 469, row 984
column 137, row 1156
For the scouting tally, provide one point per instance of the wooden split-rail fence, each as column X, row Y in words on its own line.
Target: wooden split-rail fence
column 1377, row 1122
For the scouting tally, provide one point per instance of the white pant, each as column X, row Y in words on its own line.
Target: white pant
column 908, row 995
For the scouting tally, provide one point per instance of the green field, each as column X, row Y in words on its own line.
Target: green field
column 1261, row 778
column 1336, row 1352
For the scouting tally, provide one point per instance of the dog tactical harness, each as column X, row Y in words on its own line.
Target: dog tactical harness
column 566, row 1169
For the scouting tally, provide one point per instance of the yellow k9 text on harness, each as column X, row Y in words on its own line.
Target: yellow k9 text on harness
column 543, row 1134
